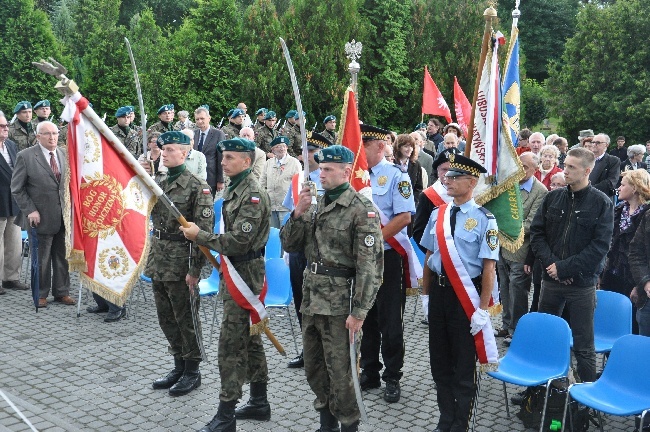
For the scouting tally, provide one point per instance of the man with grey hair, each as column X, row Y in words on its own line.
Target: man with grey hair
column 184, row 121
column 605, row 173
column 536, row 142
column 570, row 235
column 206, row 138
column 10, row 238
column 634, row 160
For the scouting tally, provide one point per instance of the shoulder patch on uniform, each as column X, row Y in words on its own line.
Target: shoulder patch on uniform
column 487, row 213
column 206, row 212
column 246, row 227
column 369, row 240
column 404, row 188
column 492, row 238
column 205, row 191
column 372, row 214
column 255, row 200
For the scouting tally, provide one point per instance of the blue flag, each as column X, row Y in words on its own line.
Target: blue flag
column 512, row 87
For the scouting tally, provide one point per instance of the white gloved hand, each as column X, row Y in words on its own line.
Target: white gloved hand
column 425, row 305
column 285, row 257
column 480, row 317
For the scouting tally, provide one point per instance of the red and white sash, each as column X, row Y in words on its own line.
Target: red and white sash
column 411, row 266
column 244, row 297
column 486, row 346
column 437, row 194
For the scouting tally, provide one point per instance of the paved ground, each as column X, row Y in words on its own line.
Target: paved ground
column 81, row 374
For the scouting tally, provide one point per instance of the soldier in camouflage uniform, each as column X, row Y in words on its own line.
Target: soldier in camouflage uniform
column 345, row 245
column 42, row 110
column 266, row 134
column 259, row 121
column 166, row 116
column 330, row 128
column 232, row 129
column 122, row 130
column 292, row 131
column 21, row 130
column 246, row 215
column 174, row 264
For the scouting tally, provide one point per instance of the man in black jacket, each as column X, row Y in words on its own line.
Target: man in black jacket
column 570, row 234
column 604, row 176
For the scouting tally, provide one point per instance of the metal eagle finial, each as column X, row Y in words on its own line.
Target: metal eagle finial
column 57, row 70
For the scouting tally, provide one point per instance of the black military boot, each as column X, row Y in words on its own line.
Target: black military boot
column 224, row 420
column 257, row 407
column 354, row 427
column 328, row 423
column 190, row 380
column 172, row 377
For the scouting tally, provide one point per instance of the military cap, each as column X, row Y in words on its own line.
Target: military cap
column 443, row 157
column 420, row 126
column 297, row 115
column 122, row 111
column 279, row 140
column 336, row 154
column 131, row 108
column 261, row 111
column 168, row 107
column 291, row 114
column 43, row 103
column 237, row 112
column 206, row 106
column 586, row 133
column 369, row 133
column 229, row 113
column 173, row 137
column 269, row 115
column 329, row 118
column 22, row 105
column 316, row 140
column 236, row 144
column 460, row 165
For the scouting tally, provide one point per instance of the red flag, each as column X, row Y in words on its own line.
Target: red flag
column 432, row 101
column 462, row 107
column 352, row 139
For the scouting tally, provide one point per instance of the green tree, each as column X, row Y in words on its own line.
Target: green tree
column 602, row 82
column 27, row 37
column 62, row 22
column 166, row 13
column 534, row 107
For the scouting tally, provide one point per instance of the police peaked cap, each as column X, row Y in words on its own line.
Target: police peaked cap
column 443, row 157
column 316, row 141
column 460, row 165
column 173, row 137
column 369, row 133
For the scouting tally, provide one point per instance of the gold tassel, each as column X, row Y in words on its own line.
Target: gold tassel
column 495, row 310
column 511, row 244
column 258, row 329
column 412, row 291
column 489, row 367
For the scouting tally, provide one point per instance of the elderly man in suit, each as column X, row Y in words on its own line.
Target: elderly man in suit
column 38, row 186
column 10, row 239
column 206, row 138
column 608, row 168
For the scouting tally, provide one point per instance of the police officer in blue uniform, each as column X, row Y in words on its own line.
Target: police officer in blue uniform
column 451, row 343
column 297, row 260
column 383, row 328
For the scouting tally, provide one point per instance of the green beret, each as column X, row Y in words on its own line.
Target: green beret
column 173, row 137
column 206, row 106
column 290, row 114
column 279, row 140
column 237, row 112
column 297, row 115
column 419, row 126
column 336, row 154
column 261, row 111
column 22, row 105
column 131, row 108
column 229, row 113
column 269, row 115
column 329, row 118
column 122, row 112
column 168, row 107
column 237, row 145
column 43, row 103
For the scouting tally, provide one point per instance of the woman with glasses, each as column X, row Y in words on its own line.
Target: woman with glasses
column 549, row 155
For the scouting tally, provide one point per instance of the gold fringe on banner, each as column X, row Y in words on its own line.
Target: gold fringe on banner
column 344, row 116
column 258, row 329
column 511, row 244
column 489, row 367
column 412, row 291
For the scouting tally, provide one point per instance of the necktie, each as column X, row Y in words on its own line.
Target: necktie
column 55, row 167
column 201, row 141
column 454, row 212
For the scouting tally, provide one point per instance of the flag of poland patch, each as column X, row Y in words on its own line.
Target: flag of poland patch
column 255, row 200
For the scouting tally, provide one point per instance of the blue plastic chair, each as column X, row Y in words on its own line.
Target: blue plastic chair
column 218, row 204
column 612, row 319
column 622, row 389
column 273, row 245
column 279, row 294
column 539, row 353
column 208, row 289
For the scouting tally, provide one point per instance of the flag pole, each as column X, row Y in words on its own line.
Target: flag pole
column 489, row 14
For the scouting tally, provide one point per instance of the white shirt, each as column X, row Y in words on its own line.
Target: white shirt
column 46, row 153
column 5, row 154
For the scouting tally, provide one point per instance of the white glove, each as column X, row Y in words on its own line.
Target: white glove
column 425, row 305
column 285, row 257
column 480, row 317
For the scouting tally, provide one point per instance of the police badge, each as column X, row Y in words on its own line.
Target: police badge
column 492, row 238
column 404, row 188
column 381, row 181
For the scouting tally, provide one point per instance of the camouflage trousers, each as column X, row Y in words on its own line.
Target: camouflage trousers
column 327, row 365
column 241, row 356
column 175, row 318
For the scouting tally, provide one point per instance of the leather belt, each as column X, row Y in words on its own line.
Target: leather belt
column 163, row 235
column 443, row 280
column 246, row 257
column 321, row 269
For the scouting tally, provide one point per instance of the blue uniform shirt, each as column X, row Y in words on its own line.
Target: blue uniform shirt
column 288, row 198
column 475, row 237
column 391, row 191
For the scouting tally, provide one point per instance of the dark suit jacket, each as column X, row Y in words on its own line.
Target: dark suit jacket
column 212, row 156
column 34, row 187
column 605, row 174
column 414, row 171
column 8, row 205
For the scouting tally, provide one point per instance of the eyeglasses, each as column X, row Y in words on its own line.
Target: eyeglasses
column 47, row 134
column 598, row 142
column 456, row 178
column 4, row 126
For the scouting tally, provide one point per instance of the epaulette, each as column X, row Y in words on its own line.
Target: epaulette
column 487, row 213
column 399, row 167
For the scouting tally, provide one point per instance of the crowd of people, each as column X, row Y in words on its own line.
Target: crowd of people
column 585, row 227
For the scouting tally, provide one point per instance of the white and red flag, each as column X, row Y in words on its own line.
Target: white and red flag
column 462, row 107
column 111, row 207
column 432, row 101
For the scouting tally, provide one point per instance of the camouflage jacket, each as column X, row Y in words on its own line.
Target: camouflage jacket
column 180, row 126
column 231, row 130
column 160, row 127
column 330, row 135
column 63, row 137
column 23, row 138
column 263, row 138
column 246, row 216
column 347, row 235
column 169, row 259
column 132, row 141
column 293, row 132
